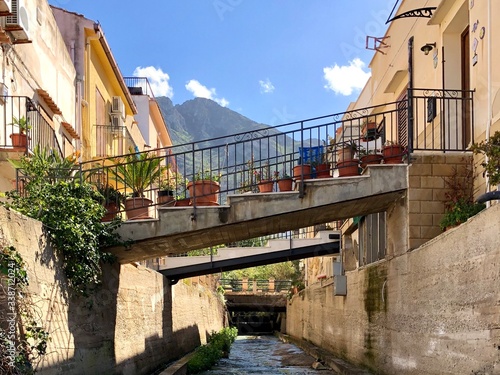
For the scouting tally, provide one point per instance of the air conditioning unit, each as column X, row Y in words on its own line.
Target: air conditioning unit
column 18, row 22
column 117, row 106
column 5, row 7
column 117, row 121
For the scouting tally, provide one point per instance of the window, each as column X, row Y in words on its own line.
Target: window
column 372, row 238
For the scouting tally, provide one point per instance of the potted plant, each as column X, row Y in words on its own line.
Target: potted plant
column 264, row 182
column 369, row 130
column 367, row 157
column 322, row 166
column 168, row 186
column 203, row 189
column 393, row 153
column 283, row 180
column 111, row 200
column 346, row 151
column 137, row 172
column 20, row 139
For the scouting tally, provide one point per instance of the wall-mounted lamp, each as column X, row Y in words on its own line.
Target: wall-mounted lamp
column 428, row 48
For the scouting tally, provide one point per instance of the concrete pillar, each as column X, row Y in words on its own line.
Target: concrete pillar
column 271, row 285
column 244, row 285
column 254, row 286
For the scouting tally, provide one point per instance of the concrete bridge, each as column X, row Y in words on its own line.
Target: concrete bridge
column 275, row 251
column 181, row 229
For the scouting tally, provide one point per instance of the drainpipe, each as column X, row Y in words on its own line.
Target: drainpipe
column 86, row 98
column 490, row 113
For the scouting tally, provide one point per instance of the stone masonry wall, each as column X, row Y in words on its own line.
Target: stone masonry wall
column 130, row 325
column 426, row 193
column 433, row 310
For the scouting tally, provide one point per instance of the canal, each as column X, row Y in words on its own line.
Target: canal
column 265, row 355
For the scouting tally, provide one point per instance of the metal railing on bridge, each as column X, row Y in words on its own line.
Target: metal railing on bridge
column 429, row 119
column 256, row 286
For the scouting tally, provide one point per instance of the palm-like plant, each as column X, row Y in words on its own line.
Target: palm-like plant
column 137, row 171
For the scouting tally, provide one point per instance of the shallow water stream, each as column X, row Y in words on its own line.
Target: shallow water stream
column 265, row 355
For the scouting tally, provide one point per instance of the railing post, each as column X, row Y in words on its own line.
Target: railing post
column 271, row 285
column 301, row 183
column 244, row 284
column 410, row 123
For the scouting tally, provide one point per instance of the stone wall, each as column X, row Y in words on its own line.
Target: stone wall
column 427, row 187
column 433, row 310
column 130, row 325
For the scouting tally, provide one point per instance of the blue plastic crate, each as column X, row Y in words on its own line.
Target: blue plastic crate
column 310, row 155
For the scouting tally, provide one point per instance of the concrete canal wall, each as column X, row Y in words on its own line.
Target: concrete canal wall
column 130, row 325
column 433, row 310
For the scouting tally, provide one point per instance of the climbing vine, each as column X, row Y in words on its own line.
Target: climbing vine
column 23, row 341
column 53, row 193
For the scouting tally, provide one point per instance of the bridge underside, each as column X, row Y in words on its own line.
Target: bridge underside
column 215, row 266
column 181, row 229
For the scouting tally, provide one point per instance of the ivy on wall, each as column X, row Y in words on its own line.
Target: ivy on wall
column 54, row 193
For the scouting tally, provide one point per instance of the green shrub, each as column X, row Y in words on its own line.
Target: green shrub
column 206, row 356
column 460, row 212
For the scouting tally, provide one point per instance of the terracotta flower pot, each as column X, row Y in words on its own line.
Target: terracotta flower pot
column 111, row 211
column 137, row 208
column 19, row 140
column 203, row 192
column 285, row 184
column 182, row 202
column 348, row 168
column 266, row 186
column 323, row 171
column 165, row 197
column 297, row 171
column 393, row 154
column 370, row 159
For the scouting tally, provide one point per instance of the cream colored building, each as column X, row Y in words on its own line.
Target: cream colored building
column 445, row 65
column 37, row 85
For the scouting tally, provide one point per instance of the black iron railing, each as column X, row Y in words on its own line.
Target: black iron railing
column 434, row 120
column 112, row 141
column 139, row 86
column 18, row 109
column 256, row 286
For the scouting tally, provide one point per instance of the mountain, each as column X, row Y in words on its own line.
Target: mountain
column 244, row 145
column 199, row 119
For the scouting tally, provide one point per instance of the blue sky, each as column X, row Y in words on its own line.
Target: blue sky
column 274, row 61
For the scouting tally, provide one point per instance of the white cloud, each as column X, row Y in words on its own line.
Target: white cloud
column 266, row 86
column 345, row 79
column 200, row 91
column 158, row 80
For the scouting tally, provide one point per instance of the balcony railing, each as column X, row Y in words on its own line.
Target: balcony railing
column 433, row 120
column 139, row 86
column 39, row 132
column 112, row 141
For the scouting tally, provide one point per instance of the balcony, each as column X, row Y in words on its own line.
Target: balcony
column 427, row 120
column 139, row 86
column 39, row 133
column 111, row 141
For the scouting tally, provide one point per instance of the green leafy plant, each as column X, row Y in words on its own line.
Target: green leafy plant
column 491, row 150
column 460, row 212
column 459, row 197
column 110, row 195
column 206, row 356
column 206, row 174
column 22, row 123
column 137, row 172
column 71, row 214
